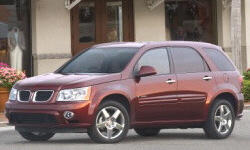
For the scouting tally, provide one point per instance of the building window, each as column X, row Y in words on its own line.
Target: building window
column 114, row 29
column 190, row 20
column 15, row 33
column 87, row 22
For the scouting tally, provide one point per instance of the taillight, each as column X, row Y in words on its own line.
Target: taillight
column 241, row 79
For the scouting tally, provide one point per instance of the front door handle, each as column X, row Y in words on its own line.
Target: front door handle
column 170, row 81
column 207, row 78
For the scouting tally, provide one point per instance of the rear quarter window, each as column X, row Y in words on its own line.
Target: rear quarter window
column 219, row 59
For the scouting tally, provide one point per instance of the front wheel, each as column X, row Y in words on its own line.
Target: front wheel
column 221, row 120
column 36, row 136
column 111, row 123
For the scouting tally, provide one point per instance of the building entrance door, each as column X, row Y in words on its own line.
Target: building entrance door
column 99, row 21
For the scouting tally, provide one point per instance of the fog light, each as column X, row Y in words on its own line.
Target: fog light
column 68, row 115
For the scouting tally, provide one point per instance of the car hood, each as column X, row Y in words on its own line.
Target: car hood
column 58, row 81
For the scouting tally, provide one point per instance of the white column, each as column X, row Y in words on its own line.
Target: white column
column 51, row 35
column 236, row 27
column 247, row 29
column 149, row 24
column 223, row 27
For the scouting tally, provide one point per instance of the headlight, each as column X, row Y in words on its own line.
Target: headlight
column 79, row 94
column 13, row 94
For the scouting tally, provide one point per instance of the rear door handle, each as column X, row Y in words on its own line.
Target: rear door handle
column 170, row 81
column 207, row 78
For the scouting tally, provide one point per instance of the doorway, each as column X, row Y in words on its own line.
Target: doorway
column 100, row 21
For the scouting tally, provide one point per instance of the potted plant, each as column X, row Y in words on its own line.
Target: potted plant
column 8, row 77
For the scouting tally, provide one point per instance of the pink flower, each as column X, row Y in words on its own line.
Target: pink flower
column 3, row 65
column 9, row 76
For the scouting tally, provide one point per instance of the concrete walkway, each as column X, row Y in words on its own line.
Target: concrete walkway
column 3, row 120
column 247, row 105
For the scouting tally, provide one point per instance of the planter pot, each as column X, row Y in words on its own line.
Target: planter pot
column 4, row 96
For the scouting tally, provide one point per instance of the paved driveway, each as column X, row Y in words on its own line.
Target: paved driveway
column 191, row 139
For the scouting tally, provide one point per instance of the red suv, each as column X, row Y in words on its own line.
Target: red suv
column 111, row 88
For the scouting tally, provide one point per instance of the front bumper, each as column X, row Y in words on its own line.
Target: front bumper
column 48, row 116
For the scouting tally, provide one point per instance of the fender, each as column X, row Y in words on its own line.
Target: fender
column 105, row 91
column 210, row 101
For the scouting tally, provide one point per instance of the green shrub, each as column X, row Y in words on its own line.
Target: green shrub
column 246, row 75
column 246, row 90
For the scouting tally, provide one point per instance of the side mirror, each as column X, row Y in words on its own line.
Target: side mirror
column 146, row 71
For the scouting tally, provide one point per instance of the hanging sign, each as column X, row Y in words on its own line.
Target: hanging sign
column 69, row 4
column 151, row 4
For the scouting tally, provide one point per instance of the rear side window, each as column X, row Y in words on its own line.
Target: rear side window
column 219, row 59
column 157, row 58
column 188, row 60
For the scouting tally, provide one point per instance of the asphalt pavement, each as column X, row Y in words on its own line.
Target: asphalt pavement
column 190, row 139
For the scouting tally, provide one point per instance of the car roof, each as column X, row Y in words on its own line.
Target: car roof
column 120, row 44
column 156, row 44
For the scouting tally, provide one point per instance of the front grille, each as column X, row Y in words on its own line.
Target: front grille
column 24, row 96
column 42, row 96
column 26, row 118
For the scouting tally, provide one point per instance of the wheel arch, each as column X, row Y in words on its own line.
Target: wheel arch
column 227, row 96
column 118, row 98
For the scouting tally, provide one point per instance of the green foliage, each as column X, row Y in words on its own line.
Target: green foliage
column 246, row 89
column 246, row 75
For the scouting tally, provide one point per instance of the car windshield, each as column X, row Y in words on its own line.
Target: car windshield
column 100, row 60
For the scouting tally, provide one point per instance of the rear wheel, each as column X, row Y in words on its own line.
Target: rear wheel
column 147, row 131
column 221, row 120
column 111, row 124
column 36, row 136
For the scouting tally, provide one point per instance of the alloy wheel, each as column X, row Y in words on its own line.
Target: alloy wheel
column 223, row 119
column 110, row 122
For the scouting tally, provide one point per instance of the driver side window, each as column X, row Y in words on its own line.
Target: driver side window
column 157, row 58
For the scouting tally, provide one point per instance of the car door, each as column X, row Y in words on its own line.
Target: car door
column 195, row 82
column 156, row 98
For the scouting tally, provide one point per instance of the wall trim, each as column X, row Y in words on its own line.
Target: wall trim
column 52, row 56
column 229, row 49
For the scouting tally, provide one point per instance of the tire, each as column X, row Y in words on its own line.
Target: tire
column 147, row 131
column 220, row 126
column 36, row 137
column 117, row 125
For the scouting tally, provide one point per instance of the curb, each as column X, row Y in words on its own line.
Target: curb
column 4, row 124
column 247, row 107
column 8, row 128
